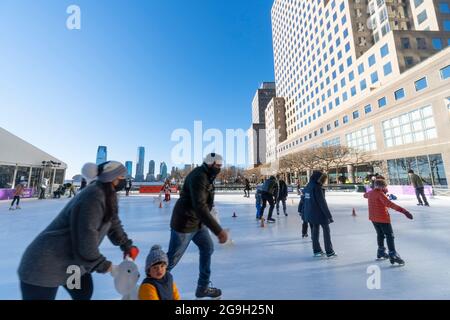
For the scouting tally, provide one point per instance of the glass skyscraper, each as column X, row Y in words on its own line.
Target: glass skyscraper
column 140, row 165
column 163, row 171
column 129, row 166
column 101, row 154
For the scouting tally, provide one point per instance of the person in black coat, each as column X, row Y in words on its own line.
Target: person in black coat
column 268, row 192
column 316, row 212
column 301, row 212
column 247, row 188
column 191, row 219
column 282, row 196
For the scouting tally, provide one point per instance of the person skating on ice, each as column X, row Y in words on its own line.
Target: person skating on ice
column 282, row 196
column 258, row 201
column 269, row 190
column 379, row 215
column 191, row 219
column 301, row 211
column 18, row 192
column 417, row 183
column 74, row 238
column 159, row 283
column 247, row 188
column 316, row 213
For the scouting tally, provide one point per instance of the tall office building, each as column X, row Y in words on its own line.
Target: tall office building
column 151, row 171
column 129, row 166
column 342, row 68
column 256, row 134
column 140, row 164
column 102, row 154
column 275, row 127
column 163, row 171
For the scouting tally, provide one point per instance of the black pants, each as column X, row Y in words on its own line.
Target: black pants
column 31, row 292
column 305, row 228
column 16, row 198
column 421, row 192
column 267, row 197
column 72, row 192
column 42, row 194
column 326, row 238
column 127, row 190
column 384, row 231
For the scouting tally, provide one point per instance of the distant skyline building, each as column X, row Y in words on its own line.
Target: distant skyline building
column 102, row 155
column 163, row 171
column 129, row 166
column 151, row 171
column 140, row 164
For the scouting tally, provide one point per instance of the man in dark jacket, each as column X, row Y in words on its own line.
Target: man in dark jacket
column 191, row 219
column 247, row 188
column 316, row 212
column 268, row 193
column 417, row 183
column 282, row 196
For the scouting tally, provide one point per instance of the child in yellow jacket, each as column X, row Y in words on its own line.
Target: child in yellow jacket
column 159, row 284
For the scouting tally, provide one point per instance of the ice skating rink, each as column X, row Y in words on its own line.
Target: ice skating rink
column 273, row 262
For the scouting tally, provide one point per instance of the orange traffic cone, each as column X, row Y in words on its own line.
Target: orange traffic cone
column 262, row 222
column 234, row 215
column 354, row 212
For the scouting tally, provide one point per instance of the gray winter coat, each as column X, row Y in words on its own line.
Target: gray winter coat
column 73, row 238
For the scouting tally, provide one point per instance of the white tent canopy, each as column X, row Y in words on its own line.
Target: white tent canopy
column 15, row 151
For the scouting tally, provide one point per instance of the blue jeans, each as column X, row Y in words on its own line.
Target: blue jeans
column 178, row 245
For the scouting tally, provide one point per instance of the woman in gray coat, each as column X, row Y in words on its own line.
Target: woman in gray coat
column 69, row 246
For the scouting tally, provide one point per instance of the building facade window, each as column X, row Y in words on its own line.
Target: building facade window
column 355, row 115
column 421, row 17
column 382, row 102
column 445, row 72
column 421, row 84
column 368, row 109
column 437, row 43
column 363, row 139
column 414, row 126
column 399, row 94
column 387, row 69
column 429, row 167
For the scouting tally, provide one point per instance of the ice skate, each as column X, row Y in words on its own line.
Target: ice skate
column 11, row 209
column 382, row 255
column 271, row 220
column 332, row 255
column 395, row 259
column 208, row 293
column 319, row 254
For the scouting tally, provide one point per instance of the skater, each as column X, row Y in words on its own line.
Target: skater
column 258, row 198
column 128, row 187
column 59, row 192
column 302, row 215
column 74, row 238
column 247, row 188
column 282, row 196
column 417, row 183
column 316, row 212
column 299, row 190
column 43, row 188
column 191, row 219
column 379, row 215
column 83, row 184
column 159, row 284
column 269, row 190
column 166, row 189
column 18, row 191
column 71, row 190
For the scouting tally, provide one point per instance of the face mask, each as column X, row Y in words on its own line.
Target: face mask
column 214, row 171
column 121, row 185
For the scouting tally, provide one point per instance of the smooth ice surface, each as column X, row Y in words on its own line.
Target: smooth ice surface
column 266, row 263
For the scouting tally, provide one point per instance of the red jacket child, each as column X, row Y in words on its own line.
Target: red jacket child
column 379, row 204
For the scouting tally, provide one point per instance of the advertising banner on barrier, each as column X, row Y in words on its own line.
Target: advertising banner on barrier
column 155, row 189
column 6, row 194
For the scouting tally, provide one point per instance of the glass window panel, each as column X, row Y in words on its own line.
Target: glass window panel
column 6, row 176
column 437, row 170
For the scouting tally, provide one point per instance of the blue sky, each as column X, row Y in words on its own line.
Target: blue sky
column 136, row 71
